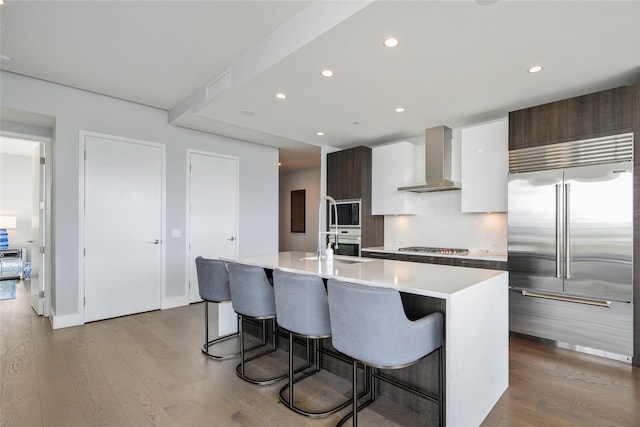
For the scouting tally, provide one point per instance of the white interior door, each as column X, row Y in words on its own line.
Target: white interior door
column 37, row 229
column 213, row 219
column 123, row 210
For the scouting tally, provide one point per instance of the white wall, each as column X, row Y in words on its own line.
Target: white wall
column 441, row 224
column 309, row 180
column 75, row 110
column 15, row 196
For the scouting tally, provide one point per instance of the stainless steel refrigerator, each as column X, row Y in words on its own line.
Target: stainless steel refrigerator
column 570, row 221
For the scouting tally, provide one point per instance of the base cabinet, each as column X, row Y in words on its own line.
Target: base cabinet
column 428, row 259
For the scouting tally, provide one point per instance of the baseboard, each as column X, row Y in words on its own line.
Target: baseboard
column 174, row 302
column 76, row 319
column 66, row 321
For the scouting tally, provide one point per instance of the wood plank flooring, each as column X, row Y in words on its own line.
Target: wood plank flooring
column 147, row 370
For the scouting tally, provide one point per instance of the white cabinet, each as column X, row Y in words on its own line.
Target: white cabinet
column 485, row 167
column 393, row 166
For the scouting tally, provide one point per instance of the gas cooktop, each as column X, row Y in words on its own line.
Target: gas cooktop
column 447, row 251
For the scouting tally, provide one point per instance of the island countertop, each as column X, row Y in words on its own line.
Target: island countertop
column 432, row 280
column 474, row 302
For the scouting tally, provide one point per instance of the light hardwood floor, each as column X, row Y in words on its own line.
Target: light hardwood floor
column 147, row 370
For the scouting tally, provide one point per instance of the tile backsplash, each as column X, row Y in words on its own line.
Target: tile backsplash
column 440, row 223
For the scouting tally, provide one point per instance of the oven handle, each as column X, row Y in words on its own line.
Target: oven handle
column 345, row 239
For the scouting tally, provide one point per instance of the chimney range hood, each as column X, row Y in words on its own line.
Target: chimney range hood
column 438, row 163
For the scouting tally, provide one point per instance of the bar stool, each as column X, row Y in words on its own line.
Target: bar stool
column 369, row 324
column 302, row 309
column 213, row 285
column 252, row 297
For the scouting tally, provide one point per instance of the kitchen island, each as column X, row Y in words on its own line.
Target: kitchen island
column 474, row 302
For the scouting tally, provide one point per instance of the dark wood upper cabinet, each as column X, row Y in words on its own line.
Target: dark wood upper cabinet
column 349, row 173
column 598, row 114
column 541, row 125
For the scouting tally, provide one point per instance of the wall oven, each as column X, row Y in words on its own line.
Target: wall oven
column 348, row 241
column 348, row 214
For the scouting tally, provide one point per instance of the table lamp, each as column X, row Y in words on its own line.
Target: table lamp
column 6, row 222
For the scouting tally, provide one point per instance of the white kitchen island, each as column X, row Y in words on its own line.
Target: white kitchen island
column 476, row 319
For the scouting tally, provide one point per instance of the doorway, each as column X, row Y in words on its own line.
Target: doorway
column 121, row 226
column 26, row 196
column 212, row 212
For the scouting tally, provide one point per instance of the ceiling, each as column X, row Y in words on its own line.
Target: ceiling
column 217, row 65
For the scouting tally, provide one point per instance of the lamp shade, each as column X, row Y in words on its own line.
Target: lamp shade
column 7, row 221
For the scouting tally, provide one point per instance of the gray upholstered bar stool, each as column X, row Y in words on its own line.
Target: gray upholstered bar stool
column 303, row 309
column 369, row 324
column 252, row 297
column 213, row 285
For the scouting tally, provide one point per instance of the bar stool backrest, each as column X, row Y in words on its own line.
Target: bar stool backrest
column 369, row 324
column 302, row 306
column 213, row 280
column 251, row 292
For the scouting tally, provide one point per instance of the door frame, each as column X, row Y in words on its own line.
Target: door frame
column 190, row 152
column 81, row 214
column 48, row 234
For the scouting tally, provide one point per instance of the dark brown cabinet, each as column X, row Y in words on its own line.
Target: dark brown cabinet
column 589, row 116
column 608, row 112
column 427, row 259
column 349, row 177
column 349, row 173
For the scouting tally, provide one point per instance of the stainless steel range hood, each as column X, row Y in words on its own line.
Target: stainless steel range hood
column 438, row 163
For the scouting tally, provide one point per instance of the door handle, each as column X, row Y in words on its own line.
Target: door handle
column 567, row 232
column 232, row 238
column 155, row 242
column 559, row 230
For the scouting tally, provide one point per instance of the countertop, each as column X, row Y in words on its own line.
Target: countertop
column 490, row 256
column 439, row 281
column 476, row 319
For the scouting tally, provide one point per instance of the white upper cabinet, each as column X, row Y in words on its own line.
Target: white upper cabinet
column 485, row 167
column 393, row 166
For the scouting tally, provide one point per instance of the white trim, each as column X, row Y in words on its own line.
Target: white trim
column 58, row 322
column 48, row 213
column 164, row 301
column 173, row 302
column 191, row 151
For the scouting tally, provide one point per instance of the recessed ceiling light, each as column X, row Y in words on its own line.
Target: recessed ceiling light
column 327, row 73
column 535, row 69
column 281, row 95
column 391, row 42
column 400, row 110
column 5, row 58
column 320, row 133
column 279, row 163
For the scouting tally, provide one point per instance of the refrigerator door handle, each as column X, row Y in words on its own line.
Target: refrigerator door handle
column 567, row 246
column 558, row 231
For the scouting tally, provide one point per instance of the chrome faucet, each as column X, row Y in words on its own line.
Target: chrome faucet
column 322, row 247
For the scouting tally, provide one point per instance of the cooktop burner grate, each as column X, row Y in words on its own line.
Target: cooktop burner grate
column 448, row 251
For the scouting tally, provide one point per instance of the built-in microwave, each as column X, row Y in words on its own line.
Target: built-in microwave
column 348, row 213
